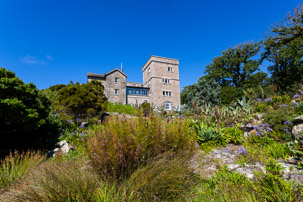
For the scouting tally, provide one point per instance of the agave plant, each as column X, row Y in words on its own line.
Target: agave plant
column 299, row 108
column 207, row 135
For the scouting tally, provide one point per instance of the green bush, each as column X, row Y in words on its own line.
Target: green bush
column 299, row 108
column 296, row 149
column 229, row 94
column 81, row 101
column 233, row 134
column 146, row 109
column 280, row 119
column 24, row 114
column 207, row 135
column 121, row 108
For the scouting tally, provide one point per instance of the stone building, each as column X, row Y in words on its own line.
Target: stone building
column 161, row 84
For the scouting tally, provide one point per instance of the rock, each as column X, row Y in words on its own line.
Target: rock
column 247, row 128
column 297, row 178
column 260, row 117
column 298, row 119
column 61, row 147
column 298, row 126
column 60, row 144
column 245, row 171
column 232, row 167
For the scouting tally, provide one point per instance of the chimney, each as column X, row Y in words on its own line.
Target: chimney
column 121, row 67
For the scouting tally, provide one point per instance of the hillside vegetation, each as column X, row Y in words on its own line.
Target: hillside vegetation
column 238, row 136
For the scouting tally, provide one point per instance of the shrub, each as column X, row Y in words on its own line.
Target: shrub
column 299, row 108
column 81, row 101
column 15, row 166
column 146, row 109
column 271, row 185
column 229, row 94
column 296, row 149
column 120, row 146
column 234, row 134
column 208, row 135
column 165, row 179
column 280, row 119
column 121, row 108
column 24, row 113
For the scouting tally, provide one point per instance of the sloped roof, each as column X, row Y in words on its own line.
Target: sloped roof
column 110, row 72
column 105, row 75
column 96, row 75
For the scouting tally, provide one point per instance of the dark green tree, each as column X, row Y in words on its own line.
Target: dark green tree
column 229, row 94
column 191, row 89
column 22, row 108
column 283, row 48
column 81, row 100
column 57, row 87
column 24, row 113
column 235, row 66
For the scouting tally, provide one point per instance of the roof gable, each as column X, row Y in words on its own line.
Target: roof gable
column 108, row 73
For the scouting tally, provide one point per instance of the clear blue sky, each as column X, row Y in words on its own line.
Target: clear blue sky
column 50, row 42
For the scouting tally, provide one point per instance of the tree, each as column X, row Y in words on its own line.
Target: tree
column 229, row 94
column 235, row 66
column 191, row 89
column 22, row 108
column 24, row 114
column 283, row 48
column 206, row 92
column 81, row 100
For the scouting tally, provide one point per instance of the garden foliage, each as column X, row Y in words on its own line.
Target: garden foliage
column 81, row 100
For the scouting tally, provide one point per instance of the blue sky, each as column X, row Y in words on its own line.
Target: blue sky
column 50, row 42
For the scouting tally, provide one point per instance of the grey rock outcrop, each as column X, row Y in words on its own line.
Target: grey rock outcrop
column 61, row 147
column 298, row 126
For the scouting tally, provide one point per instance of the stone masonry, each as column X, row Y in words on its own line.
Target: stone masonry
column 161, row 84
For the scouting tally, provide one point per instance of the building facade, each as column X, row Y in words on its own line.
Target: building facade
column 161, row 84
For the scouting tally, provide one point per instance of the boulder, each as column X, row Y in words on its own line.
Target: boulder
column 298, row 126
column 61, row 147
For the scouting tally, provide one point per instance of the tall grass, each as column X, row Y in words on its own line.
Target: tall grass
column 164, row 179
column 14, row 166
column 58, row 181
column 120, row 146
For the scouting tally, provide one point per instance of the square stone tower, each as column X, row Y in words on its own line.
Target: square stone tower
column 161, row 76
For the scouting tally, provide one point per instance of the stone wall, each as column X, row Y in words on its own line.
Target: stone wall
column 111, row 85
column 133, row 84
column 153, row 79
column 137, row 100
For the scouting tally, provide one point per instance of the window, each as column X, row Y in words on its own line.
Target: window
column 166, row 93
column 116, row 79
column 116, row 91
column 148, row 69
column 167, row 105
column 165, row 81
column 136, row 91
column 170, row 69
